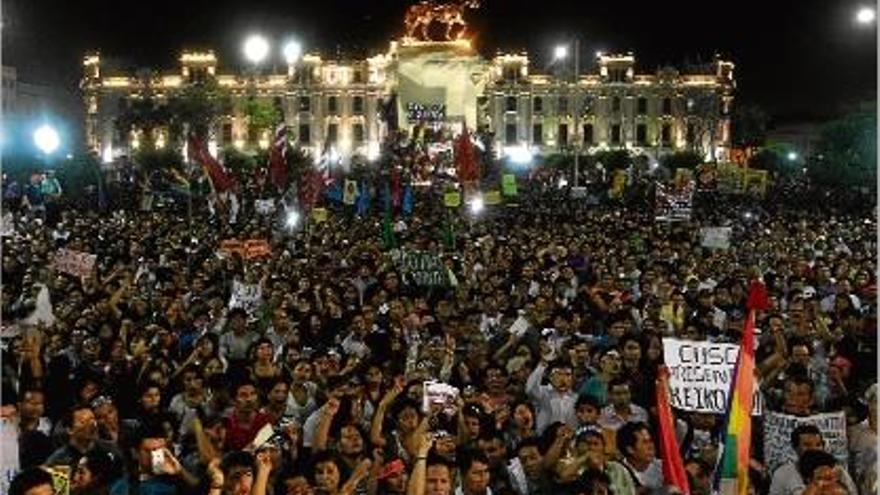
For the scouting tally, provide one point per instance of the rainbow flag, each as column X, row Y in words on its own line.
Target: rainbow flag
column 737, row 445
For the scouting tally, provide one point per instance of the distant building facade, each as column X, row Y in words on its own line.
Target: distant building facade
column 337, row 104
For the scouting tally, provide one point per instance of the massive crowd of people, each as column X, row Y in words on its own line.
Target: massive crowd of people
column 158, row 371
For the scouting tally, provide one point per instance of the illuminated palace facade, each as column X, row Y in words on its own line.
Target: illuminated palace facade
column 335, row 104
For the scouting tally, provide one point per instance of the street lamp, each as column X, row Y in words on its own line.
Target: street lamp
column 866, row 15
column 292, row 51
column 47, row 140
column 561, row 52
column 792, row 156
column 256, row 48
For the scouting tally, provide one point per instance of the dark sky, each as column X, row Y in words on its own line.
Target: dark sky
column 798, row 60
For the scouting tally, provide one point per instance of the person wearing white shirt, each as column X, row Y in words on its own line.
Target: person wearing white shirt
column 554, row 402
column 621, row 410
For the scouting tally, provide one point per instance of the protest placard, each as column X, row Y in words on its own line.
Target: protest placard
column 246, row 296
column 492, row 197
column 247, row 249
column 264, row 206
column 452, row 199
column 673, row 204
column 76, row 263
column 700, row 374
column 715, row 237
column 8, row 452
column 519, row 327
column 777, row 436
column 319, row 215
column 508, row 185
column 439, row 394
column 350, row 193
column 421, row 268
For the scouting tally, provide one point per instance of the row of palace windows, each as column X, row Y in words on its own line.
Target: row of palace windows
column 512, row 102
column 305, row 133
column 614, row 131
column 357, row 104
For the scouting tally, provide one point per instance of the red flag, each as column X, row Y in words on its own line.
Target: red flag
column 673, row 466
column 465, row 158
column 396, row 190
column 220, row 178
column 758, row 299
column 278, row 159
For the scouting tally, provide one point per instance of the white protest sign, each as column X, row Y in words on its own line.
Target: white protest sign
column 264, row 206
column 700, row 374
column 715, row 237
column 246, row 296
column 519, row 327
column 439, row 393
column 74, row 263
column 777, row 436
column 8, row 453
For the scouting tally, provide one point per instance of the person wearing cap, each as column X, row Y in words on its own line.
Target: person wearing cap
column 610, row 363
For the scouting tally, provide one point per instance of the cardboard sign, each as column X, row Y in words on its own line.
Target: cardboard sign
column 421, row 268
column 319, row 215
column 508, row 184
column 715, row 237
column 439, row 394
column 248, row 249
column 700, row 374
column 618, row 183
column 755, row 182
column 452, row 199
column 75, row 263
column 673, row 205
column 777, row 436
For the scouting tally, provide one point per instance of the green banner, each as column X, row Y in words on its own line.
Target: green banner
column 508, row 184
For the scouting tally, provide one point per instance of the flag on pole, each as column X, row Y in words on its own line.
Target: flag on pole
column 673, row 466
column 734, row 472
column 387, row 229
column 465, row 158
column 408, row 200
column 221, row 180
column 278, row 158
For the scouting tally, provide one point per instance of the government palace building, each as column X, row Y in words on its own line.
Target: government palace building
column 342, row 106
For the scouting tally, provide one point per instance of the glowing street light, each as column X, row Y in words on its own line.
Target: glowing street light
column 477, row 205
column 256, row 48
column 866, row 15
column 46, row 138
column 792, row 156
column 292, row 219
column 292, row 51
column 560, row 52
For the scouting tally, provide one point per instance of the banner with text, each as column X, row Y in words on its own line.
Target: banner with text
column 700, row 374
column 715, row 237
column 421, row 268
column 777, row 436
column 75, row 263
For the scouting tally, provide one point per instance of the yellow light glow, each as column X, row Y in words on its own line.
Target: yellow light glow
column 116, row 82
column 198, row 58
column 135, row 144
column 264, row 143
column 171, row 81
column 91, row 60
column 160, row 142
column 239, row 144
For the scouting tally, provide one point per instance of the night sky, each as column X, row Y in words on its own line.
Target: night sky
column 798, row 60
